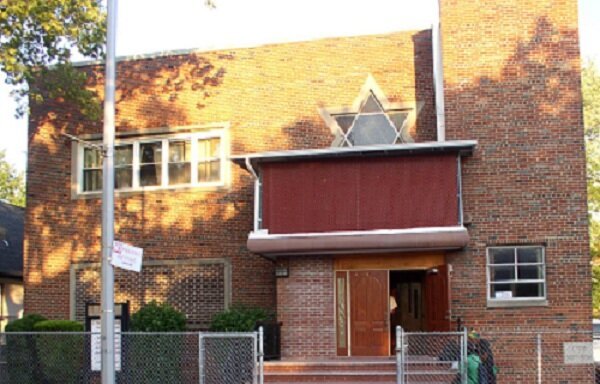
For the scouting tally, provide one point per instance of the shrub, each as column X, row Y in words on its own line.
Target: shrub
column 155, row 317
column 47, row 358
column 25, row 324
column 58, row 326
column 240, row 318
column 156, row 359
column 21, row 353
column 61, row 355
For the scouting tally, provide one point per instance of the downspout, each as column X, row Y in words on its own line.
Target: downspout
column 438, row 75
column 257, row 197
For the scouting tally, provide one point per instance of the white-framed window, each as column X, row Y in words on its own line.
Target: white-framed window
column 157, row 162
column 516, row 273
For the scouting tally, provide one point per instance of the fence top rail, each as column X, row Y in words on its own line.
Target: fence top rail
column 228, row 334
column 536, row 332
column 433, row 333
column 204, row 334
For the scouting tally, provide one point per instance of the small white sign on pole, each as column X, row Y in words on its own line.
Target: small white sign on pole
column 127, row 256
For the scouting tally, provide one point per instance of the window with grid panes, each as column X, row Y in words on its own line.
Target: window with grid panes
column 516, row 273
column 182, row 160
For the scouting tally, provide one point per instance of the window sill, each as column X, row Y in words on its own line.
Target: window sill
column 517, row 303
column 141, row 191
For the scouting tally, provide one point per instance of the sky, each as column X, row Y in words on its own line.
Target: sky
column 149, row 26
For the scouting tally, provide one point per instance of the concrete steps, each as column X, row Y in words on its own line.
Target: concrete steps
column 378, row 371
column 356, row 370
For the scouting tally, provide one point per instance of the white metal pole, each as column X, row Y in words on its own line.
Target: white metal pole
column 399, row 351
column 438, row 75
column 261, row 355
column 201, row 357
column 107, row 299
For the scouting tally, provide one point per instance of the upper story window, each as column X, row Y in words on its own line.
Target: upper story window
column 92, row 170
column 372, row 119
column 516, row 273
column 372, row 125
column 192, row 159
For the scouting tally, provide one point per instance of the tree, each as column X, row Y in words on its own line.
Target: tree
column 38, row 36
column 591, row 113
column 12, row 183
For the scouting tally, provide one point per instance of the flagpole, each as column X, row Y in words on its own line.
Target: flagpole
column 108, row 187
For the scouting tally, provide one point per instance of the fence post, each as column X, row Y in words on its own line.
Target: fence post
column 464, row 357
column 200, row 358
column 261, row 355
column 399, row 356
column 539, row 358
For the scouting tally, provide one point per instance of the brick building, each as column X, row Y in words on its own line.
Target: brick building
column 337, row 166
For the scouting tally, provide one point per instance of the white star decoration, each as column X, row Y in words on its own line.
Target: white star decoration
column 371, row 120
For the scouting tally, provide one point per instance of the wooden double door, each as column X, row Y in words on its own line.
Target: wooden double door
column 368, row 312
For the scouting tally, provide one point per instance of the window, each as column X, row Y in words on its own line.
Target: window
column 372, row 125
column 180, row 162
column 208, row 159
column 92, row 169
column 123, row 166
column 151, row 163
column 516, row 273
column 196, row 159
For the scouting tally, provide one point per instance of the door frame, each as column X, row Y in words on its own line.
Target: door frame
column 388, row 262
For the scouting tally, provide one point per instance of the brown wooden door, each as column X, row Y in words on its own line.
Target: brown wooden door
column 369, row 313
column 437, row 299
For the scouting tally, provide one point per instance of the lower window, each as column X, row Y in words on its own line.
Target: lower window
column 516, row 273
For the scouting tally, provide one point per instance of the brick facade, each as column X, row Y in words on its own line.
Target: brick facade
column 512, row 82
column 515, row 87
column 305, row 306
column 198, row 288
column 268, row 97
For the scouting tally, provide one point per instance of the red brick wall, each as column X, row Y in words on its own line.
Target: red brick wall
column 512, row 82
column 269, row 96
column 305, row 306
column 196, row 289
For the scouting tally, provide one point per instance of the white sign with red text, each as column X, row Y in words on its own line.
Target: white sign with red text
column 127, row 256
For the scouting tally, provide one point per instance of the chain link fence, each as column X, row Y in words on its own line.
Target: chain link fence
column 496, row 357
column 229, row 358
column 431, row 357
column 142, row 358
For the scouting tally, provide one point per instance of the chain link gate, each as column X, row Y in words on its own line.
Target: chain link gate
column 431, row 357
column 232, row 357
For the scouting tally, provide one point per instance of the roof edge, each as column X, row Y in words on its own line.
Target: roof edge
column 227, row 47
column 463, row 147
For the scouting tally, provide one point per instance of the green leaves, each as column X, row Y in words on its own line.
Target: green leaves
column 591, row 112
column 12, row 183
column 155, row 317
column 590, row 85
column 35, row 34
column 239, row 319
column 590, row 80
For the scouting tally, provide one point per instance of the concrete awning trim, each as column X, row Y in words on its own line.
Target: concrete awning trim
column 375, row 241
